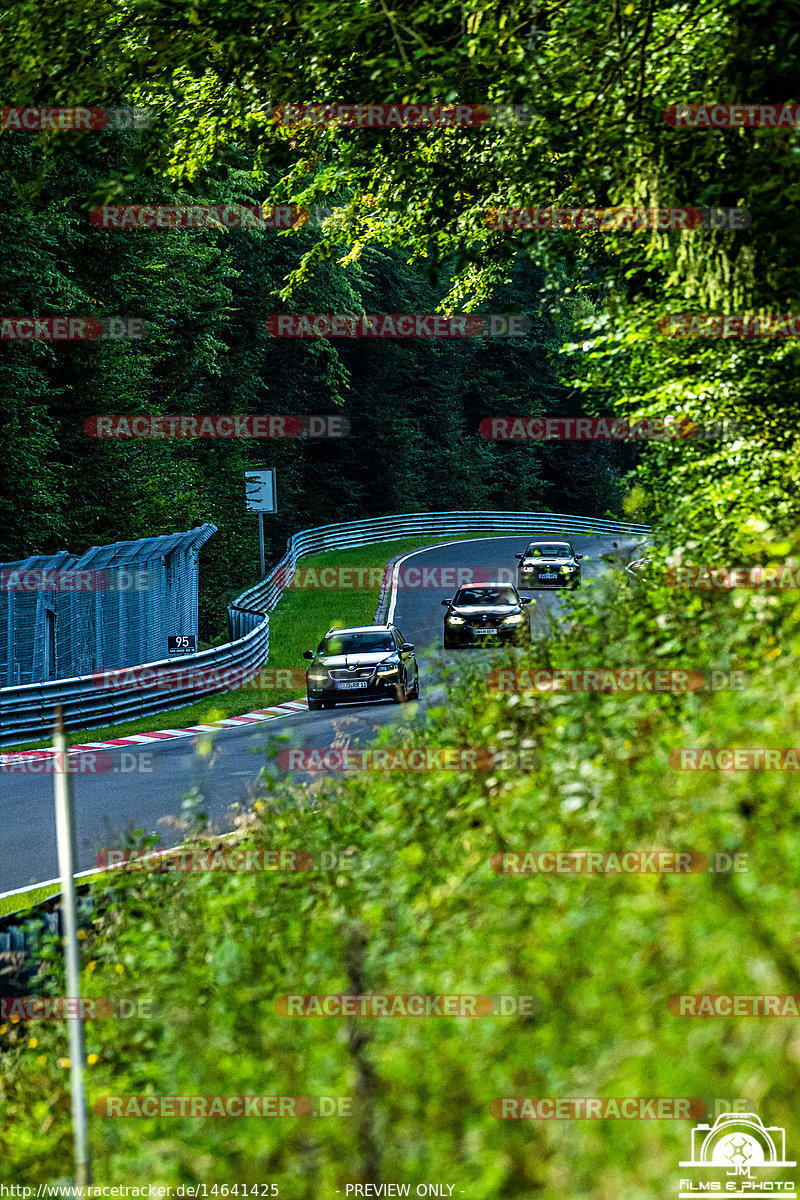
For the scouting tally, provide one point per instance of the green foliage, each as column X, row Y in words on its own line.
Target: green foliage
column 414, row 906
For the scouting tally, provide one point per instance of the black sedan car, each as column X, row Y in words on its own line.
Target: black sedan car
column 549, row 565
column 365, row 662
column 489, row 613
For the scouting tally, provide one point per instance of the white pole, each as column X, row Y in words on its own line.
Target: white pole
column 261, row 543
column 65, row 835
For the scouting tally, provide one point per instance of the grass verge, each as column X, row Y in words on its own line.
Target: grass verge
column 21, row 903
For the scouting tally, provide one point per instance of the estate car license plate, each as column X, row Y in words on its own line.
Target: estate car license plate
column 545, row 576
column 478, row 632
column 352, row 683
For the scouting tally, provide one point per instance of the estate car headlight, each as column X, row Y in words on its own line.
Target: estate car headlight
column 514, row 619
column 566, row 570
column 454, row 620
column 388, row 668
column 318, row 678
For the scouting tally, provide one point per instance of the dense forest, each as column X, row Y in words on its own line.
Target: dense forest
column 410, row 233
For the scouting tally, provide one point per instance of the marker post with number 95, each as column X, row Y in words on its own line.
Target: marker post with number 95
column 185, row 643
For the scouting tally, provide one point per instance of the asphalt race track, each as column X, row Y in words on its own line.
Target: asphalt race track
column 109, row 804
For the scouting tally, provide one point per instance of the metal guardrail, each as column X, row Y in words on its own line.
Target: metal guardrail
column 265, row 595
column 107, row 698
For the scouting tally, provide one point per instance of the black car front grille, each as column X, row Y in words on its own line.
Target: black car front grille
column 339, row 674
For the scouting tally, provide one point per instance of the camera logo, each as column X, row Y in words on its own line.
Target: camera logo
column 739, row 1143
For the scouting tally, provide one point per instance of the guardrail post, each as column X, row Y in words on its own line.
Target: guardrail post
column 65, row 835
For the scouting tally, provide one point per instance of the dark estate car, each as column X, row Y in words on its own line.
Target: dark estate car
column 486, row 613
column 366, row 662
column 549, row 565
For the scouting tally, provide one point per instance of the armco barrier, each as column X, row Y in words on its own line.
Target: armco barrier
column 265, row 595
column 27, row 713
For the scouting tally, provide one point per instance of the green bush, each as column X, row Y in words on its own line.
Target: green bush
column 416, row 907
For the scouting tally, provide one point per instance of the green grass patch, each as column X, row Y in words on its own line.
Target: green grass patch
column 20, row 903
column 297, row 624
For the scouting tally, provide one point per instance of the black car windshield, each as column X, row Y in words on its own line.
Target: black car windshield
column 485, row 595
column 356, row 643
column 550, row 550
